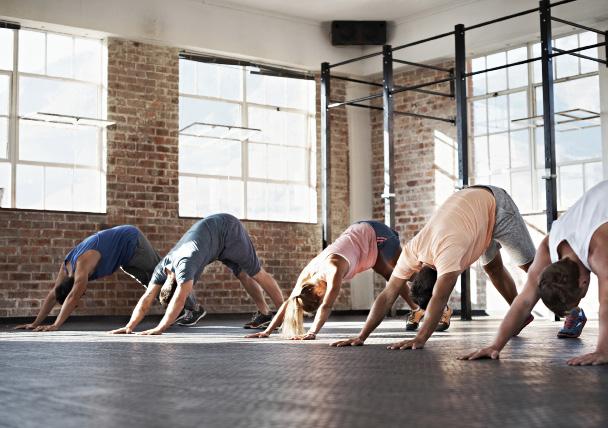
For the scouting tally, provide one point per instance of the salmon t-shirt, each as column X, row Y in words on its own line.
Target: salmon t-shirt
column 357, row 245
column 457, row 234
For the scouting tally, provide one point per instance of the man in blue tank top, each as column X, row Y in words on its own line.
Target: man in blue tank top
column 217, row 237
column 98, row 256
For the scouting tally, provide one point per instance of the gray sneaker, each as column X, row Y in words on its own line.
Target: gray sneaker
column 192, row 317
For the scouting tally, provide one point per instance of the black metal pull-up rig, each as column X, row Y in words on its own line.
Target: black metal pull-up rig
column 458, row 90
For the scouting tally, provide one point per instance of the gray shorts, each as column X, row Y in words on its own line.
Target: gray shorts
column 144, row 260
column 239, row 253
column 510, row 231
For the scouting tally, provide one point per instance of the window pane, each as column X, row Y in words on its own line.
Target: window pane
column 594, row 173
column 58, row 189
column 206, row 111
column 570, row 182
column 32, row 51
column 518, row 109
column 586, row 39
column 57, row 143
column 187, row 196
column 214, row 80
column 30, row 187
column 499, row 151
column 521, row 191
column 541, row 186
column 5, row 91
column 218, row 195
column 187, row 77
column 520, row 149
column 480, row 120
column 479, row 80
column 497, row 80
column 518, row 74
column 210, row 156
column 480, row 154
column 579, row 93
column 566, row 65
column 536, row 65
column 6, row 47
column 502, row 181
column 41, row 95
column 5, row 184
column 3, row 137
column 59, row 55
column 279, row 127
column 91, row 183
column 581, row 144
column 87, row 59
column 498, row 114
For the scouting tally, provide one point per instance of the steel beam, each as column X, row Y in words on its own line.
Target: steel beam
column 389, row 157
column 462, row 138
column 325, row 153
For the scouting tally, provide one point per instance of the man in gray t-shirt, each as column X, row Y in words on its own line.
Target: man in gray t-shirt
column 217, row 237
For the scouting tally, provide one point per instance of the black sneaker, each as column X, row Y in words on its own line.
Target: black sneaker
column 259, row 320
column 181, row 316
column 193, row 317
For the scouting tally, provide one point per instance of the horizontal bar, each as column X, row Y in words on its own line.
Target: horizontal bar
column 582, row 48
column 574, row 24
column 10, row 25
column 590, row 58
column 428, row 39
column 286, row 75
column 404, row 113
column 426, row 91
column 348, row 61
column 356, row 100
column 514, row 15
column 349, row 79
column 420, row 85
column 432, row 67
column 500, row 67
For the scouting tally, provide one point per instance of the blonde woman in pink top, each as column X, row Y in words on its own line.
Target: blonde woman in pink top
column 362, row 246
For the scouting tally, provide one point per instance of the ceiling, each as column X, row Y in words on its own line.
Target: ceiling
column 329, row 10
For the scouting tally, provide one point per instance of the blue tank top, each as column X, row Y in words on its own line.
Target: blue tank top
column 116, row 246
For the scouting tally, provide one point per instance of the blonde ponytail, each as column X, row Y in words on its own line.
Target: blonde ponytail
column 293, row 322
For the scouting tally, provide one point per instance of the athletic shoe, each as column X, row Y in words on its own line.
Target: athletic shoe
column 413, row 320
column 573, row 326
column 193, row 317
column 444, row 323
column 259, row 320
column 526, row 322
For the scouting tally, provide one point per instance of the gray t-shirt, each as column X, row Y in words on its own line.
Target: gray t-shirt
column 217, row 237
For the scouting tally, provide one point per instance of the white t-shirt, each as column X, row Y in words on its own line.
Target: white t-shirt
column 579, row 223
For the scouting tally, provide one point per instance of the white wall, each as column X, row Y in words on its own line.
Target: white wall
column 360, row 184
column 188, row 24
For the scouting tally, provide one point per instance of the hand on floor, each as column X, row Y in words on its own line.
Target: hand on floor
column 407, row 344
column 50, row 327
column 122, row 330
column 258, row 335
column 307, row 336
column 593, row 359
column 151, row 332
column 25, row 326
column 355, row 341
column 488, row 352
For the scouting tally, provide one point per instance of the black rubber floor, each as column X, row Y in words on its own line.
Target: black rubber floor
column 210, row 376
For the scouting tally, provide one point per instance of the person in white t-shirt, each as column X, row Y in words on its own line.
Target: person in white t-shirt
column 576, row 247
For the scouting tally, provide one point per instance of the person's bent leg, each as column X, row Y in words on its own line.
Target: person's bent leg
column 270, row 286
column 501, row 278
column 255, row 291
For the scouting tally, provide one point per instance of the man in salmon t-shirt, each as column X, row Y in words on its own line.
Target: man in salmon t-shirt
column 472, row 223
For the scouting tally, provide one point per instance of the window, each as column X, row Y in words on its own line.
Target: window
column 508, row 150
column 271, row 174
column 47, row 165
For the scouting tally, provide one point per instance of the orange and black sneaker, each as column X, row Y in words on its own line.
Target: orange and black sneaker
column 444, row 322
column 413, row 320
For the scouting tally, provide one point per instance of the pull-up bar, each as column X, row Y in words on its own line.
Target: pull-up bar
column 406, row 113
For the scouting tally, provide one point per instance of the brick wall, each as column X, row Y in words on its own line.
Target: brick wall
column 142, row 189
column 425, row 159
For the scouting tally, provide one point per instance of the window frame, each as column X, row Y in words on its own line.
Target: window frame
column 15, row 118
column 310, row 180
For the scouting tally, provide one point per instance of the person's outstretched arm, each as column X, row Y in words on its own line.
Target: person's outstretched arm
column 441, row 294
column 520, row 308
column 140, row 310
column 176, row 305
column 47, row 305
column 335, row 273
column 379, row 309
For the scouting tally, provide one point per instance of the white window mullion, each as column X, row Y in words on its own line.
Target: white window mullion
column 13, row 146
